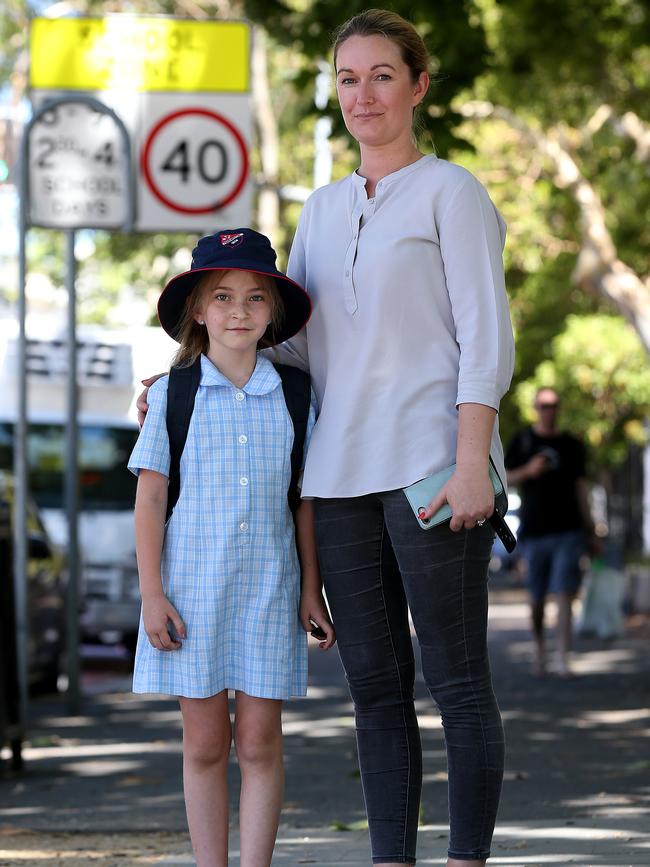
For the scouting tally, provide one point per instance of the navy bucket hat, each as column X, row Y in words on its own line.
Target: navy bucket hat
column 235, row 250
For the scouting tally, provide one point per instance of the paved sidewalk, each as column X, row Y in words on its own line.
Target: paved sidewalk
column 105, row 787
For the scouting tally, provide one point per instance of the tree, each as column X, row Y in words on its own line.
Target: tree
column 571, row 79
column 557, row 123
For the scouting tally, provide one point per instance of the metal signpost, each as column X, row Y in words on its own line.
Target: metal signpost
column 75, row 172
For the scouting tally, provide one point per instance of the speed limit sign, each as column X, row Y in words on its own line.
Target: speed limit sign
column 195, row 161
column 194, row 169
column 188, row 118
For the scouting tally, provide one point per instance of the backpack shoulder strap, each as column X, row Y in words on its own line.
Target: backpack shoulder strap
column 296, row 386
column 181, row 391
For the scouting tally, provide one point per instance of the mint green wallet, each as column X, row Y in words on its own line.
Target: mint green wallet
column 420, row 494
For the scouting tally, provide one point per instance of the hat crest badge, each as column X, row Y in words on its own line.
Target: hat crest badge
column 231, row 239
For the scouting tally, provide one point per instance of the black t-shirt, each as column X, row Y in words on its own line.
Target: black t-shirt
column 549, row 503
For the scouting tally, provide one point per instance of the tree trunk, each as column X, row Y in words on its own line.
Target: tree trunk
column 268, row 206
column 598, row 268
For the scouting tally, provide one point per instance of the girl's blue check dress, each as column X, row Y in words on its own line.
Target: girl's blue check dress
column 229, row 562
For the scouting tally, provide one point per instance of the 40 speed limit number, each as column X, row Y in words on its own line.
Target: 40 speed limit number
column 195, row 163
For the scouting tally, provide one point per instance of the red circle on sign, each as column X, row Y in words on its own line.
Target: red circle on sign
column 146, row 171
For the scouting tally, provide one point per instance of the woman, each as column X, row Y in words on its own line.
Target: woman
column 410, row 351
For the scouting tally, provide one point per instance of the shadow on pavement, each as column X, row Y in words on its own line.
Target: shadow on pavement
column 105, row 786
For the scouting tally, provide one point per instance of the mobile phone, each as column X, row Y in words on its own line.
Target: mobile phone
column 318, row 632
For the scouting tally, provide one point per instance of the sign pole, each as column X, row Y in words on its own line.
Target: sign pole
column 20, row 457
column 47, row 149
column 72, row 483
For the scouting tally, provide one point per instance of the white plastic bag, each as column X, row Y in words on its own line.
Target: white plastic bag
column 602, row 604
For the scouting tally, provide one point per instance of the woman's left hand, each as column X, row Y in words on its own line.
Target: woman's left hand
column 470, row 494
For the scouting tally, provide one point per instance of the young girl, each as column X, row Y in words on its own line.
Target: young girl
column 225, row 603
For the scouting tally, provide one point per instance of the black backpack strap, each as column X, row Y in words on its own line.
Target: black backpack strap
column 296, row 385
column 181, row 391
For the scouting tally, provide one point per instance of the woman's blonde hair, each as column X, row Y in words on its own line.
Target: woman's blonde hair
column 382, row 22
column 194, row 339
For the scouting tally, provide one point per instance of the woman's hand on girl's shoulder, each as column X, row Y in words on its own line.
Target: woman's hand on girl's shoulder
column 313, row 610
column 141, row 402
column 157, row 615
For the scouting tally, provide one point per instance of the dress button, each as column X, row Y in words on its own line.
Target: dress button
column 243, row 439
column 243, row 526
column 240, row 395
column 243, row 481
column 347, row 273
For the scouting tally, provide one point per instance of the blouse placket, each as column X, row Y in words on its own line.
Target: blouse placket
column 361, row 212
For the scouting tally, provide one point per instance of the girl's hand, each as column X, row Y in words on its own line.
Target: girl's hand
column 313, row 608
column 157, row 613
column 141, row 402
column 470, row 495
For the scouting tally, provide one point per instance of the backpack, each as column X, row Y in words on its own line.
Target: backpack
column 181, row 391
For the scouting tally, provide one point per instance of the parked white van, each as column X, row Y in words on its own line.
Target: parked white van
column 111, row 364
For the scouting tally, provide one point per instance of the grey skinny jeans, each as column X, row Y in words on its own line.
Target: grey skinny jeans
column 376, row 561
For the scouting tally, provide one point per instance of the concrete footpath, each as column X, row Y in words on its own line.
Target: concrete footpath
column 104, row 787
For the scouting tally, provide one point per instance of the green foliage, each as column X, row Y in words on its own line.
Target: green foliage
column 600, row 369
column 129, row 266
column 13, row 30
column 561, row 58
column 555, row 63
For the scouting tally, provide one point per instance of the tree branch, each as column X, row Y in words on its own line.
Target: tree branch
column 630, row 124
column 598, row 267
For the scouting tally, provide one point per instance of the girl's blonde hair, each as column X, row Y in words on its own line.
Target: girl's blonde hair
column 194, row 339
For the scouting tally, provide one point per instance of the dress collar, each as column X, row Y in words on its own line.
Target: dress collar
column 264, row 378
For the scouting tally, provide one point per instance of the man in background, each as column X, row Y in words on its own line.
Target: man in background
column 547, row 466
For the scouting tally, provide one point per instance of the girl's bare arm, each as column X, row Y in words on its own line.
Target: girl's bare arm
column 312, row 604
column 157, row 610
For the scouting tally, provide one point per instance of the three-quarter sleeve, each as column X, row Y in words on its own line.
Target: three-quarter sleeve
column 151, row 451
column 472, row 235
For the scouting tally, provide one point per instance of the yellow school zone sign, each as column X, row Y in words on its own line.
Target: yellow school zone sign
column 140, row 53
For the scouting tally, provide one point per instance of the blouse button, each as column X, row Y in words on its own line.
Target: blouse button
column 243, row 526
column 240, row 395
column 243, row 481
column 243, row 439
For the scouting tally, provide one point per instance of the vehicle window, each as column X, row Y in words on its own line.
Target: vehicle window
column 103, row 452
